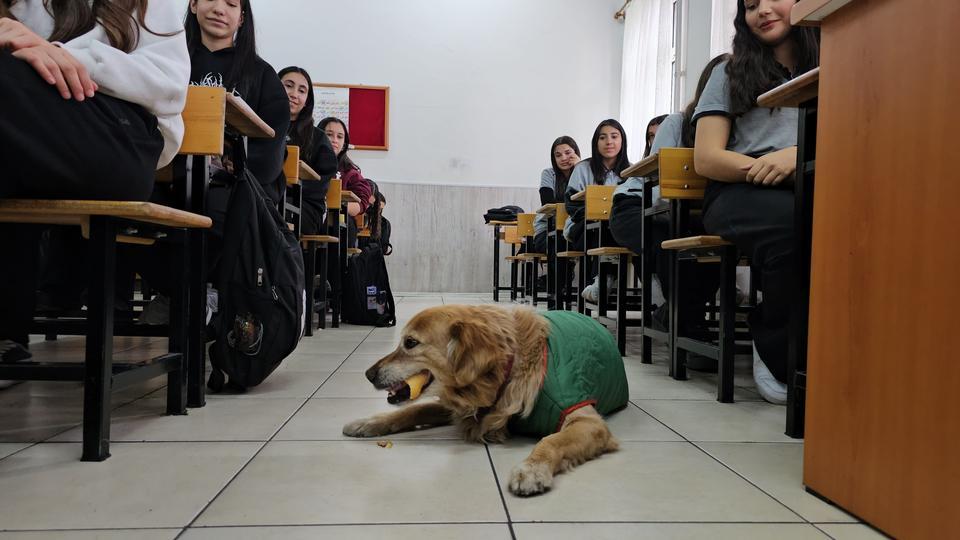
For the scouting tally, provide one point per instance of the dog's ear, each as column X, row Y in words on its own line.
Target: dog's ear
column 473, row 350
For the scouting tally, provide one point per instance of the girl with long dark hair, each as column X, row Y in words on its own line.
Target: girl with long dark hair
column 608, row 158
column 223, row 52
column 564, row 156
column 347, row 170
column 750, row 154
column 90, row 95
column 626, row 225
column 315, row 147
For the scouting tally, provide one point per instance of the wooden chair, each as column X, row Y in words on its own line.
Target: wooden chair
column 498, row 232
column 680, row 184
column 566, row 258
column 105, row 223
column 511, row 236
column 530, row 259
column 292, row 204
column 328, row 245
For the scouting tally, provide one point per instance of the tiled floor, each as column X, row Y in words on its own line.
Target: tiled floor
column 273, row 464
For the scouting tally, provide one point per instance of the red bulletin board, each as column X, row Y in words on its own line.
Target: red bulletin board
column 367, row 109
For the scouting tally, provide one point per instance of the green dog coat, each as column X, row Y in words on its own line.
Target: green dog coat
column 582, row 367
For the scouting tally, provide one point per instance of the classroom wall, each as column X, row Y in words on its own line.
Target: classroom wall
column 479, row 88
column 440, row 241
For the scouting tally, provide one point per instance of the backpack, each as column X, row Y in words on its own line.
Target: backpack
column 262, row 297
column 367, row 298
column 504, row 213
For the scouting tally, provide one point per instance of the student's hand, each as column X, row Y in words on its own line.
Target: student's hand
column 58, row 67
column 14, row 35
column 772, row 168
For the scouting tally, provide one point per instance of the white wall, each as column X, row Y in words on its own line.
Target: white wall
column 479, row 88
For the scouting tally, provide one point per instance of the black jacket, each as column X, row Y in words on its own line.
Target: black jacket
column 262, row 90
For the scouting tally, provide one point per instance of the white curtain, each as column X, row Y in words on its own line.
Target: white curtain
column 721, row 26
column 645, row 82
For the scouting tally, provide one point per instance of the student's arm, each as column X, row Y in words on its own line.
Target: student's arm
column 547, row 196
column 710, row 155
column 154, row 75
column 265, row 156
column 356, row 183
column 713, row 160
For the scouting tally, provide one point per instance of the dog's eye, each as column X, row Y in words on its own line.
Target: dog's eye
column 410, row 343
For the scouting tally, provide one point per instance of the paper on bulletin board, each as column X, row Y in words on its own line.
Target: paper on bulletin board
column 328, row 101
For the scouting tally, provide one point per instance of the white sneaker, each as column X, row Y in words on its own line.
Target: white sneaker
column 591, row 292
column 213, row 302
column 769, row 387
column 157, row 312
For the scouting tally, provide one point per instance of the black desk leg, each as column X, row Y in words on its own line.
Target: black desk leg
column 496, row 263
column 728, row 313
column 197, row 176
column 310, row 270
column 622, row 268
column 678, row 356
column 179, row 335
column 98, row 368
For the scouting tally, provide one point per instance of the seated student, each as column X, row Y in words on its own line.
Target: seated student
column 315, row 147
column 347, row 171
column 223, row 53
column 564, row 155
column 90, row 98
column 608, row 158
column 626, row 221
column 750, row 154
column 379, row 225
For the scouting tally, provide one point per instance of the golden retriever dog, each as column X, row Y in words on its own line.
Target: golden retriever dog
column 492, row 371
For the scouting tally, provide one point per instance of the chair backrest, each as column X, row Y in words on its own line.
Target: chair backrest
column 511, row 236
column 525, row 224
column 204, row 117
column 291, row 165
column 678, row 178
column 561, row 217
column 333, row 193
column 599, row 202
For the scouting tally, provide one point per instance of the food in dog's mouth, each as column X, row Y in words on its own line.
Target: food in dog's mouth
column 409, row 389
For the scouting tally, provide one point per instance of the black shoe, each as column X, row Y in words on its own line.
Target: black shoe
column 11, row 351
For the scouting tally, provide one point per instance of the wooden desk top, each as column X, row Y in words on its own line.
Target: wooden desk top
column 811, row 12
column 500, row 222
column 792, row 93
column 578, row 196
column 644, row 167
column 242, row 118
column 348, row 197
column 548, row 209
column 307, row 173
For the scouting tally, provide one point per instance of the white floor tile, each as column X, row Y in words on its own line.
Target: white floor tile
column 358, row 363
column 350, row 384
column 651, row 381
column 304, row 361
column 219, row 420
column 632, row 424
column 710, row 421
column 10, row 448
column 103, row 534
column 322, row 419
column 35, row 419
column 666, row 531
column 670, row 482
column 360, row 482
column 282, row 383
column 140, row 485
column 851, row 532
column 778, row 470
column 355, row 532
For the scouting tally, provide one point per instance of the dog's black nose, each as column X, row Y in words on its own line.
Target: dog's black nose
column 372, row 373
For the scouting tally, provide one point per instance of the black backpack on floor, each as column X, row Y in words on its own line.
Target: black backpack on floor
column 367, row 298
column 262, row 298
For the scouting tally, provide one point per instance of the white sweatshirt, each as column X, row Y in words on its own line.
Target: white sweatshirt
column 154, row 75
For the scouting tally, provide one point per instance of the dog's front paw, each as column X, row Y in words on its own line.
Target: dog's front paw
column 366, row 427
column 530, row 478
